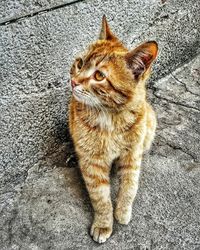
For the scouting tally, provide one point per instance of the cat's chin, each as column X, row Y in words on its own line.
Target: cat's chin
column 77, row 98
column 85, row 97
column 83, row 100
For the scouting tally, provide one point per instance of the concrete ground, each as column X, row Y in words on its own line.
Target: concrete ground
column 43, row 201
column 51, row 209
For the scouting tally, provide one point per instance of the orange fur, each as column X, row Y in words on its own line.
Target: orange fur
column 110, row 119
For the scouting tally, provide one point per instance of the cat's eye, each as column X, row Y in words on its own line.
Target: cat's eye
column 99, row 76
column 80, row 63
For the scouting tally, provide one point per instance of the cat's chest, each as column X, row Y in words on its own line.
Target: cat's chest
column 114, row 145
column 105, row 122
column 103, row 134
column 114, row 124
column 115, row 134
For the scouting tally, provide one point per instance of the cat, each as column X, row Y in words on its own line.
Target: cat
column 110, row 120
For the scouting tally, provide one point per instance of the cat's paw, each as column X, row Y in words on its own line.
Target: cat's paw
column 100, row 234
column 123, row 215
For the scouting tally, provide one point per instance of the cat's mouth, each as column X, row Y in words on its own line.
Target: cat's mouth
column 84, row 96
column 77, row 93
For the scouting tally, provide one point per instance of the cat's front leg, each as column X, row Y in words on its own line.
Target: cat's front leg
column 96, row 177
column 129, row 170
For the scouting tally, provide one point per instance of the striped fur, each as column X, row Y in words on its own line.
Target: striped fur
column 111, row 120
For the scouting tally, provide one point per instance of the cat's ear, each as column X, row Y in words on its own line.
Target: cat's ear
column 106, row 33
column 140, row 59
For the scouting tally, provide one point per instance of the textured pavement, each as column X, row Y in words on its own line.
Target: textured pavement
column 43, row 202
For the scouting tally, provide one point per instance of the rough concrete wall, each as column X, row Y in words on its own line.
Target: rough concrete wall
column 36, row 51
column 10, row 10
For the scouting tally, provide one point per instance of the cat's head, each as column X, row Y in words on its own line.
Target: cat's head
column 107, row 74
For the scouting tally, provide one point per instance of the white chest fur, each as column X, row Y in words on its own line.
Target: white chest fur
column 104, row 120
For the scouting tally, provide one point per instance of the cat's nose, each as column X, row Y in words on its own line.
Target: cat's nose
column 74, row 83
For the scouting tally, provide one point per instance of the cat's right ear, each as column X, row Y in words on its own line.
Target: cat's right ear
column 106, row 33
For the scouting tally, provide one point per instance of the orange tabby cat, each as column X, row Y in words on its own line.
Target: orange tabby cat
column 110, row 119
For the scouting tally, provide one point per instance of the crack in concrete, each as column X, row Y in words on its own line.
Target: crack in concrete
column 165, row 143
column 179, row 148
column 177, row 103
column 154, row 89
column 10, row 225
column 10, row 21
column 185, row 85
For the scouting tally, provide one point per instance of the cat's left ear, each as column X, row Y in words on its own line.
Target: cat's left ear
column 106, row 33
column 140, row 59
